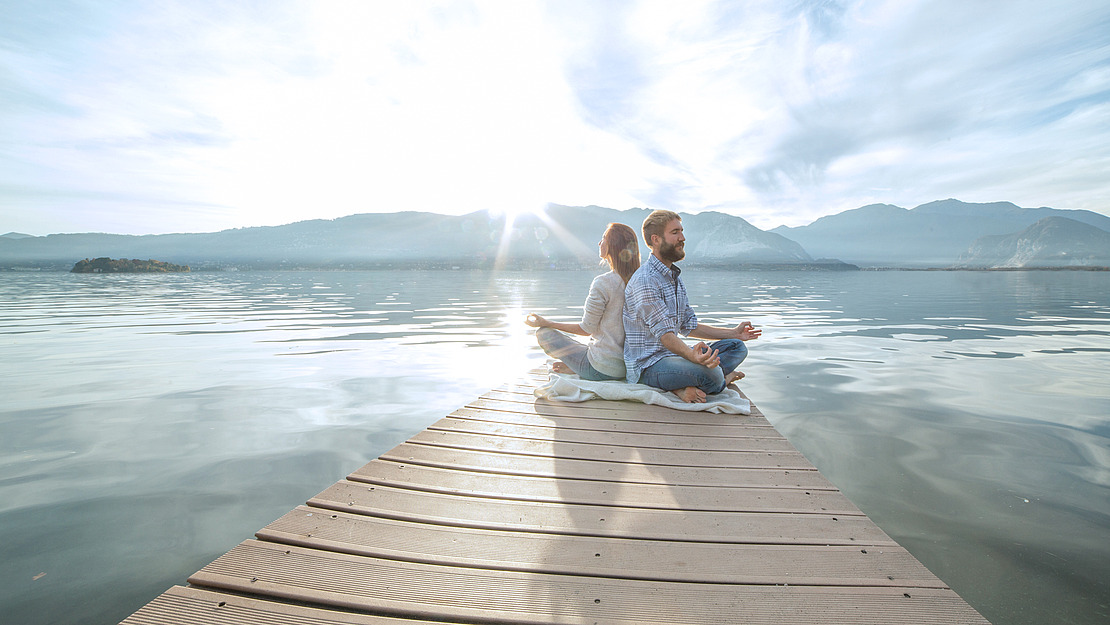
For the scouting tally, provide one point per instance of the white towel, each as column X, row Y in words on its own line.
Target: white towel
column 565, row 387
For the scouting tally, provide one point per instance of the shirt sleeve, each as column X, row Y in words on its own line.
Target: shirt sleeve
column 596, row 302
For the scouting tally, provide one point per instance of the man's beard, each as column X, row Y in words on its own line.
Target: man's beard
column 672, row 253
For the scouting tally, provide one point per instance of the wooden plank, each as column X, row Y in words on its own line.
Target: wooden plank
column 599, row 556
column 603, row 493
column 629, row 439
column 615, row 452
column 579, row 422
column 593, row 520
column 539, row 466
column 195, row 606
column 517, row 509
column 456, row 593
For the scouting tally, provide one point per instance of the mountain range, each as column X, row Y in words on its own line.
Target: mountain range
column 944, row 234
column 937, row 234
column 1051, row 242
column 565, row 236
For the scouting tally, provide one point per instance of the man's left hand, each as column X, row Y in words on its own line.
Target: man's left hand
column 746, row 331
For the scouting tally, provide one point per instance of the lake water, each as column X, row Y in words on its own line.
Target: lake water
column 151, row 422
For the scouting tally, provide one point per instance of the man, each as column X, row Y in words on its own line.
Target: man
column 656, row 310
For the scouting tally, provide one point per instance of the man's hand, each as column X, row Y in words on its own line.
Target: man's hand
column 702, row 355
column 746, row 331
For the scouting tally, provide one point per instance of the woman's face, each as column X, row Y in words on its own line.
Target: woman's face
column 601, row 248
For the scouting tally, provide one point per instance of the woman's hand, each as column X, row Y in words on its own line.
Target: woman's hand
column 536, row 321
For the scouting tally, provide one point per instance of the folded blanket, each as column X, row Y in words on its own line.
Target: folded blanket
column 567, row 387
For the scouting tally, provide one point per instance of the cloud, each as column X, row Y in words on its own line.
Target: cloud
column 779, row 112
column 808, row 106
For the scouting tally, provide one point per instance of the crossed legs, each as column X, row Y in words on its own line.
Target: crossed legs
column 690, row 381
column 570, row 354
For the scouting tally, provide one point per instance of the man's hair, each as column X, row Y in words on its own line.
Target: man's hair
column 621, row 250
column 657, row 222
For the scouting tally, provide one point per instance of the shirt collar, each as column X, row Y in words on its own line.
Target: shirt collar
column 659, row 267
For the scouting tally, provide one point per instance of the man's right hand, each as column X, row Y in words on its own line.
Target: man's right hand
column 702, row 355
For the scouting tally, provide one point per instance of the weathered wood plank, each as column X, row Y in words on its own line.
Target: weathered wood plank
column 516, row 509
column 457, row 593
column 629, row 439
column 615, row 425
column 599, row 556
column 612, row 424
column 615, row 452
column 603, row 493
column 593, row 520
column 573, row 468
column 195, row 606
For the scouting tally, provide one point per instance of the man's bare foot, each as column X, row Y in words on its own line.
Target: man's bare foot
column 561, row 367
column 734, row 376
column 690, row 395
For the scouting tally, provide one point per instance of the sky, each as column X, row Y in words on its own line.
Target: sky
column 139, row 117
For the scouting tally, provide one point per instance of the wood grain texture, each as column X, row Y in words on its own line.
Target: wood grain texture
column 518, row 510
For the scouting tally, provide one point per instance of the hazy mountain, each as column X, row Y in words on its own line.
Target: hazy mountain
column 1051, row 242
column 719, row 238
column 938, row 234
column 564, row 236
column 931, row 235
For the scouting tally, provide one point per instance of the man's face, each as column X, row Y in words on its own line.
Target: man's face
column 672, row 247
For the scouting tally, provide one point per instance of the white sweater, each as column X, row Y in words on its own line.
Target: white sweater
column 602, row 319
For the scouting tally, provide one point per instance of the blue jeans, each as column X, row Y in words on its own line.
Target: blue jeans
column 675, row 372
column 573, row 354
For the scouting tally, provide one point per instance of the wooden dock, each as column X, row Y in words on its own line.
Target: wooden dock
column 518, row 510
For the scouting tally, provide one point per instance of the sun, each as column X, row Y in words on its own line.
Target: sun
column 512, row 207
column 510, row 213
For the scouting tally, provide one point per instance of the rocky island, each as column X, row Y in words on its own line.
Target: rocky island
column 123, row 265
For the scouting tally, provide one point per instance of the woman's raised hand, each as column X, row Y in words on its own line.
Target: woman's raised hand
column 535, row 320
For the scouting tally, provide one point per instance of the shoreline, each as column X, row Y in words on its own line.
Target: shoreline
column 745, row 267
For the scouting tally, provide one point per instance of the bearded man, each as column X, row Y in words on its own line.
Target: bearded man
column 656, row 311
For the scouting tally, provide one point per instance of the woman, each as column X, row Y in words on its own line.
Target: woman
column 603, row 358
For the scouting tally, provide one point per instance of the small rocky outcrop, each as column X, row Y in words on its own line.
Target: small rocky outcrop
column 124, row 265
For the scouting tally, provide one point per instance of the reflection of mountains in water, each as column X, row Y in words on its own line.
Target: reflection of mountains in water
column 937, row 235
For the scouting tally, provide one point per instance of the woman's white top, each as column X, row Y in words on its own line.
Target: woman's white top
column 602, row 319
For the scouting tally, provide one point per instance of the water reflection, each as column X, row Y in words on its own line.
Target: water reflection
column 965, row 412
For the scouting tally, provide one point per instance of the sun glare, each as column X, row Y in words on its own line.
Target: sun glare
column 512, row 213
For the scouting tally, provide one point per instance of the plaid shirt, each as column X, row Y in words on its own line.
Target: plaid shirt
column 654, row 303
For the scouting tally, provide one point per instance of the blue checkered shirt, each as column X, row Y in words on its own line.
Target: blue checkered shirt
column 655, row 303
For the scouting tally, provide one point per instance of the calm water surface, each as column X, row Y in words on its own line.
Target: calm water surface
column 151, row 422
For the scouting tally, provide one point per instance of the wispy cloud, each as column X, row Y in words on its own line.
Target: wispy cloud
column 808, row 107
column 779, row 112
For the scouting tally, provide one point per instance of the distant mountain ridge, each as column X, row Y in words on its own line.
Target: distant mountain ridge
column 565, row 236
column 1051, row 242
column 935, row 234
column 943, row 234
